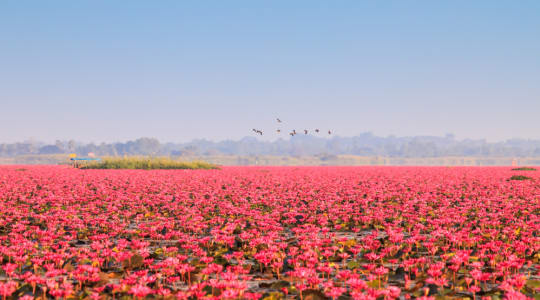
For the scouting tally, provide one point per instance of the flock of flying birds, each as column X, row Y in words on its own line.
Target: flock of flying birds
column 292, row 133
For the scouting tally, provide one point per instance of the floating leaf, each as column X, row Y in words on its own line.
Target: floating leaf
column 313, row 295
column 533, row 284
column 374, row 284
column 274, row 296
column 134, row 262
column 353, row 264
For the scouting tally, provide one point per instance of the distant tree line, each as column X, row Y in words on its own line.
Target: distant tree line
column 365, row 144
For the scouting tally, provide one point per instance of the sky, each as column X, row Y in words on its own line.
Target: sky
column 105, row 71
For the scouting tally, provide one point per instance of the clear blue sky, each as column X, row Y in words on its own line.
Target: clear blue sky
column 178, row 70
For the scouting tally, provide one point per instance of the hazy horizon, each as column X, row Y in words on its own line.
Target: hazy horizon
column 273, row 138
column 115, row 71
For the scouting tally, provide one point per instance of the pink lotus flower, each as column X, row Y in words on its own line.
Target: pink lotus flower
column 70, row 232
column 140, row 291
column 335, row 292
column 7, row 288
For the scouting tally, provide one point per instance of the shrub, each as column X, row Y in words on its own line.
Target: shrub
column 520, row 177
column 145, row 163
column 524, row 169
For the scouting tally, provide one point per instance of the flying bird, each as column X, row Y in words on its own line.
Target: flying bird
column 317, row 130
column 278, row 120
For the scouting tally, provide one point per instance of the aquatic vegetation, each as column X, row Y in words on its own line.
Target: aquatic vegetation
column 269, row 232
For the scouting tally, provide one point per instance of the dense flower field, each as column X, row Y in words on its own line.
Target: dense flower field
column 274, row 232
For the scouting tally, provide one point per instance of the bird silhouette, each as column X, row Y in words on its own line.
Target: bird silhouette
column 292, row 133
